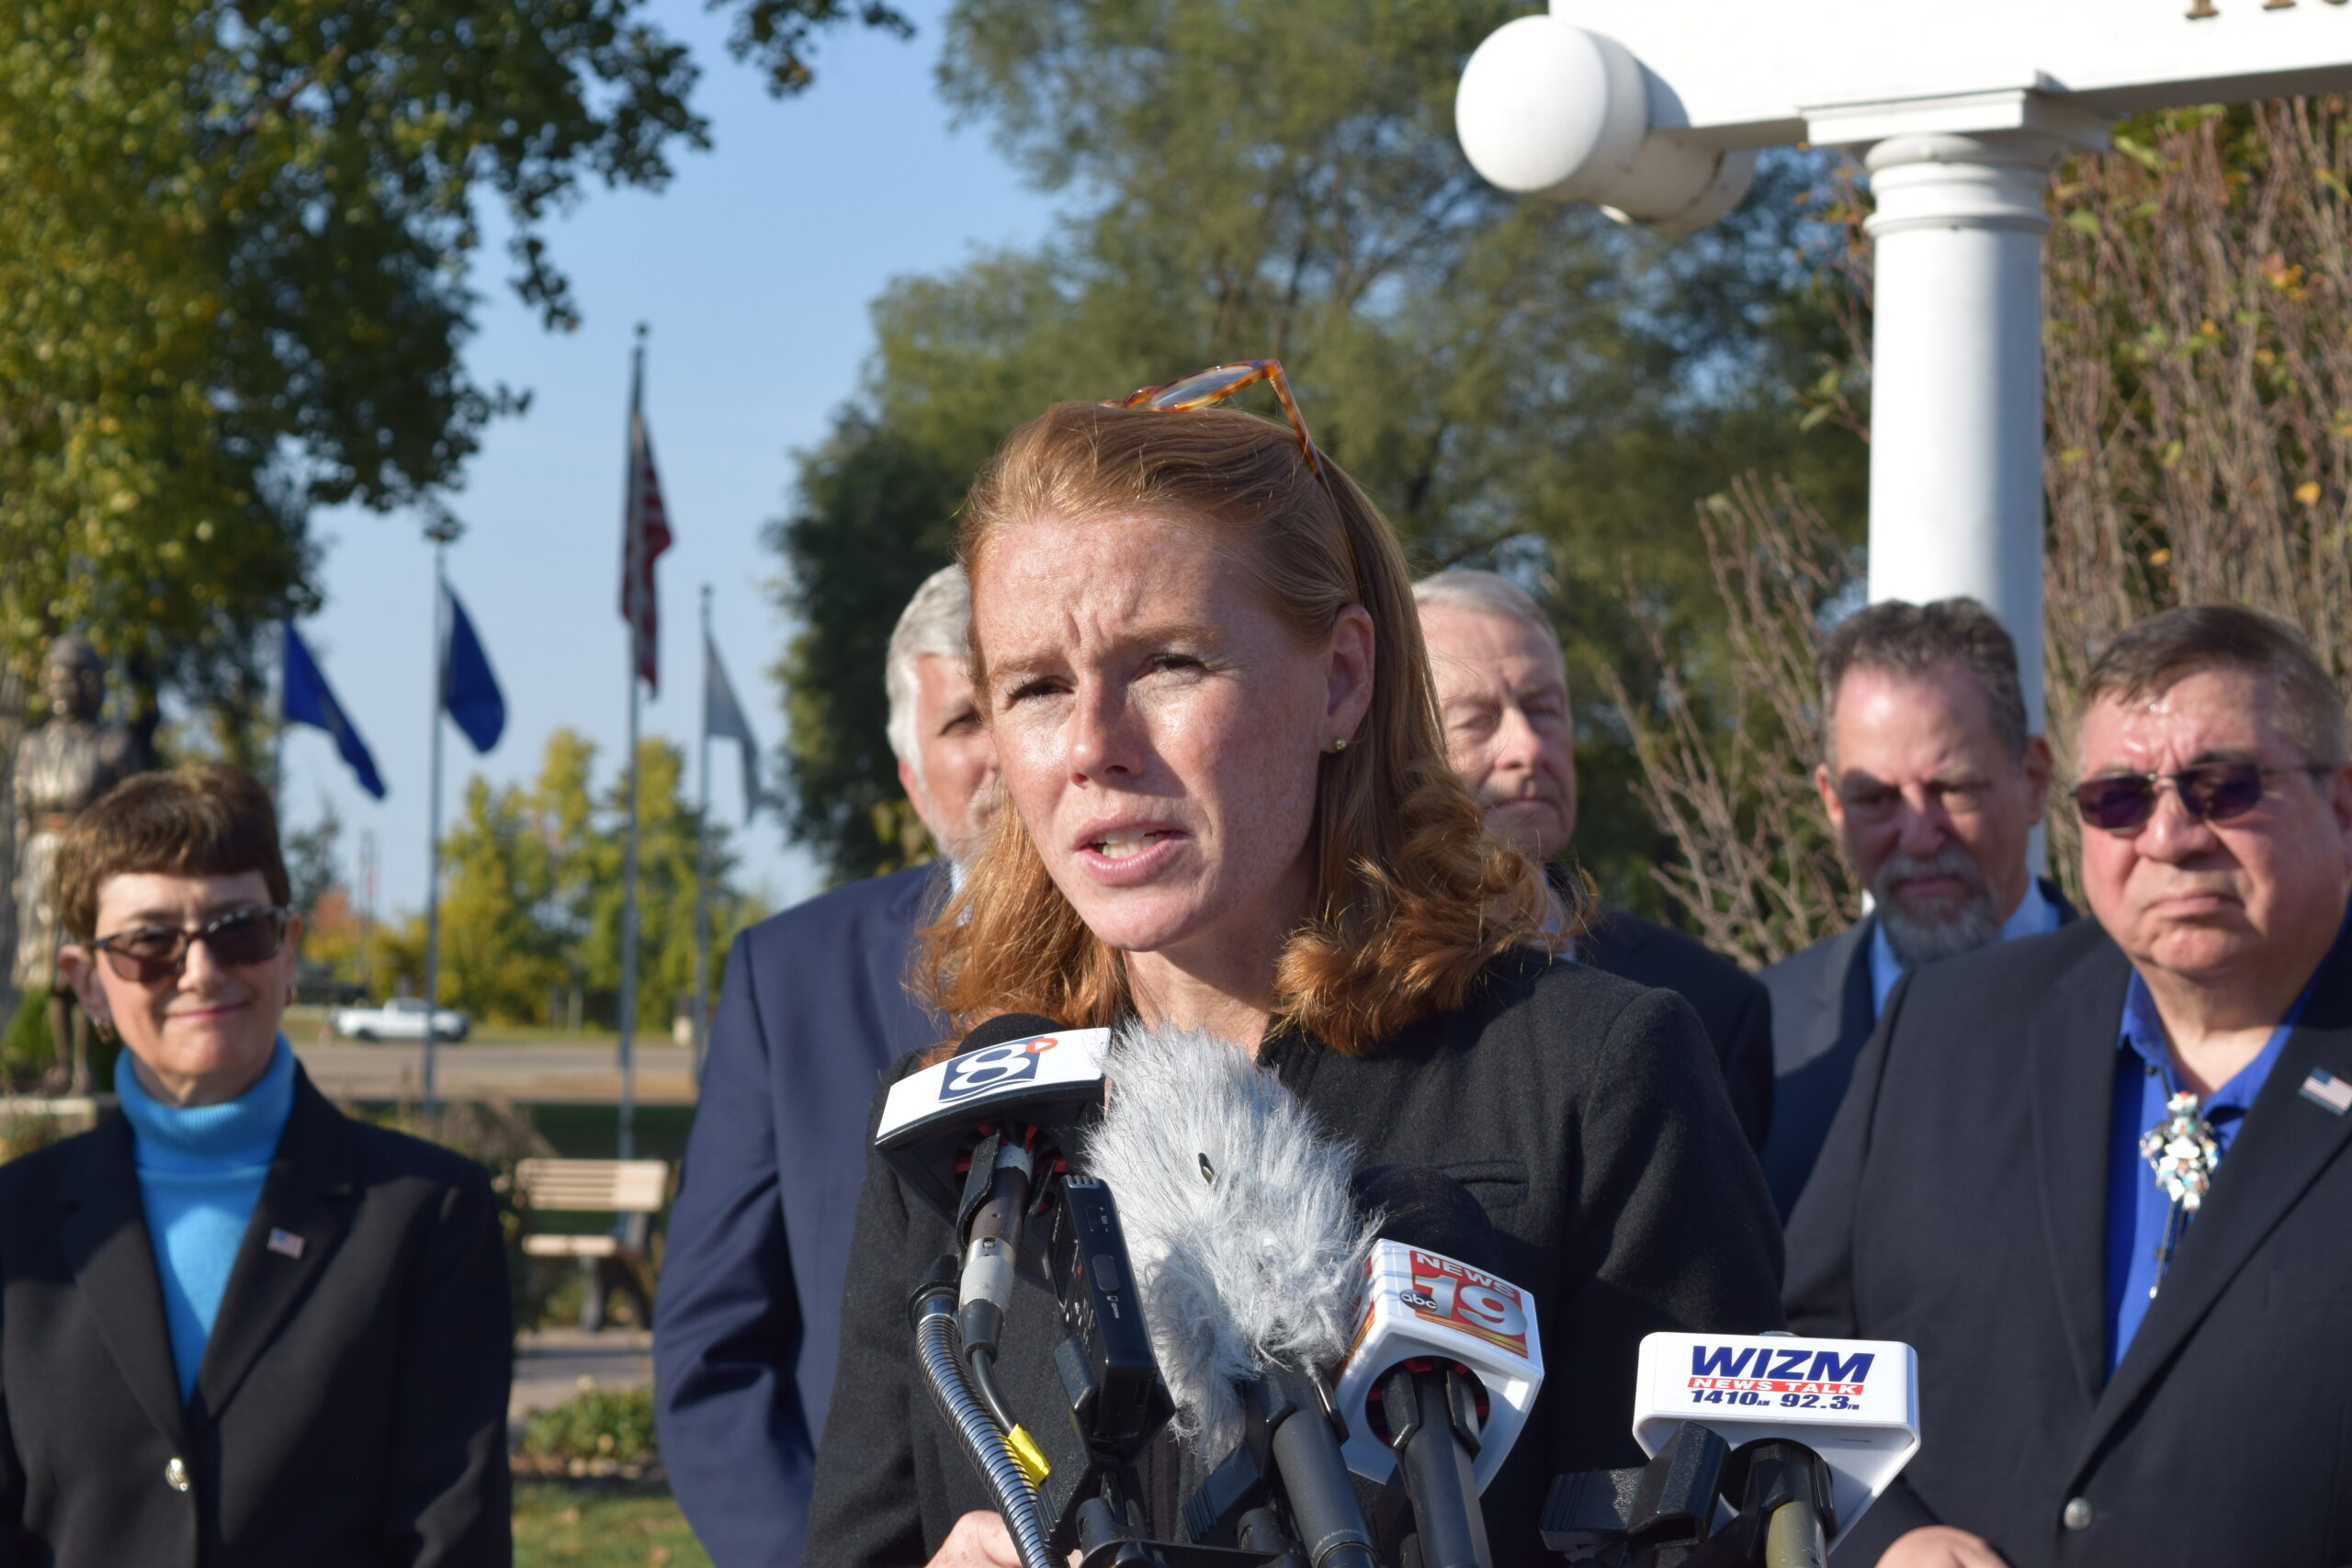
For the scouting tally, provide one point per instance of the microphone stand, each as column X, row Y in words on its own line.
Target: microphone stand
column 1662, row 1515
column 1431, row 1420
column 1290, row 1449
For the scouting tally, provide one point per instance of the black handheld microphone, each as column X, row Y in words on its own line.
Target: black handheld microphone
column 974, row 1136
column 1430, row 1410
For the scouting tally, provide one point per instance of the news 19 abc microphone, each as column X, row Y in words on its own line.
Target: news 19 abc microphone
column 1444, row 1365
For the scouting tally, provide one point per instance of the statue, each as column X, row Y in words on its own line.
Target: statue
column 62, row 766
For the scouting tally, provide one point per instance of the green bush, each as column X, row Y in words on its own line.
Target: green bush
column 26, row 1049
column 596, row 1422
column 28, row 1052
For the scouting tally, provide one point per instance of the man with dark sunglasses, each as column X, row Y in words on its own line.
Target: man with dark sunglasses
column 2101, row 1179
column 1933, row 782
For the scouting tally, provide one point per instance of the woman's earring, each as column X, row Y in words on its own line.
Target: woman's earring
column 1338, row 746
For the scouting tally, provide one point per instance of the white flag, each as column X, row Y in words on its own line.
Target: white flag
column 722, row 716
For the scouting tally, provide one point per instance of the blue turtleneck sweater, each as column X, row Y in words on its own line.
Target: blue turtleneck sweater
column 200, row 1171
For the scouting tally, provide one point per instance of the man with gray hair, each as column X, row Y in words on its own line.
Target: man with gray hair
column 815, row 1006
column 946, row 763
column 1934, row 787
column 1502, row 693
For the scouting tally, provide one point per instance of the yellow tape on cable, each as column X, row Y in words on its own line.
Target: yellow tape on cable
column 1028, row 1456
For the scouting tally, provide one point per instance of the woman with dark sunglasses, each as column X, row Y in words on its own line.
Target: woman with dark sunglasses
column 1228, row 811
column 235, row 1326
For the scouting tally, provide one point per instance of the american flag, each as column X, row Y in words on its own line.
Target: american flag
column 645, row 534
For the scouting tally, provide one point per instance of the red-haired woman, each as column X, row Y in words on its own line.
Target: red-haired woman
column 1230, row 811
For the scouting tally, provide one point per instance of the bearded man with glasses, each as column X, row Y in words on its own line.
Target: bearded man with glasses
column 2100, row 1178
column 1934, row 784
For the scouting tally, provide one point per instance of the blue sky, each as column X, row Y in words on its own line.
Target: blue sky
column 753, row 270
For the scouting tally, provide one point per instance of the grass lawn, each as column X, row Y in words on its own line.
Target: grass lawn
column 558, row 1526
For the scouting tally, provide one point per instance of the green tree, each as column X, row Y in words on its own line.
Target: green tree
column 1518, row 384
column 234, row 249
column 314, row 858
column 531, row 905
column 499, row 958
column 665, row 893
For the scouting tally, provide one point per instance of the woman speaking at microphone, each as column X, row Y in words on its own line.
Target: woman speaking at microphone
column 1195, row 643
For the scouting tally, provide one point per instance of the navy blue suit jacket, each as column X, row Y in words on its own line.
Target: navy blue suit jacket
column 813, row 1010
column 1961, row 1207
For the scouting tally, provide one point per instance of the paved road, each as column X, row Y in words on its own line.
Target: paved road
column 530, row 1075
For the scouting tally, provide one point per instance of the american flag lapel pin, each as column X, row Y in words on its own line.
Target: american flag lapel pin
column 288, row 1244
column 2327, row 1091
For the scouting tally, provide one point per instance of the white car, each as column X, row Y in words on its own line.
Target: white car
column 403, row 1018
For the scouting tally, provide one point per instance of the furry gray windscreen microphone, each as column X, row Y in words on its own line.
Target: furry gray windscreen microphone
column 1246, row 1245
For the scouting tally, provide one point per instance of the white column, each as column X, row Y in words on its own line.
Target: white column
column 1956, row 427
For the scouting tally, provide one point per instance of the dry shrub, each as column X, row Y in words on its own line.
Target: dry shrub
column 1726, row 754
column 2199, row 298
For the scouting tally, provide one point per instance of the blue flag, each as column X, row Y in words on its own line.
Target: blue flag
column 467, row 688
column 309, row 700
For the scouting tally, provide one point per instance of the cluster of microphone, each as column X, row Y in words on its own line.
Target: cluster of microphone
column 1334, row 1348
column 1218, row 1264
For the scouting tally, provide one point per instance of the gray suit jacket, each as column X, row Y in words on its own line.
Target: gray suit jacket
column 1821, row 1016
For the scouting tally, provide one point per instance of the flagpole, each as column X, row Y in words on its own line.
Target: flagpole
column 702, row 863
column 439, row 535
column 626, row 1142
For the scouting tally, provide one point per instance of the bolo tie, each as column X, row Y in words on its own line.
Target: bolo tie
column 2182, row 1152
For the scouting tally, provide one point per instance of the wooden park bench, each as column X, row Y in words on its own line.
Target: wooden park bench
column 617, row 1259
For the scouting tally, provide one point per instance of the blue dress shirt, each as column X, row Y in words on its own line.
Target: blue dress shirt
column 2137, row 1208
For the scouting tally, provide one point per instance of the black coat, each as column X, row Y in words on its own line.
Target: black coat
column 1583, row 1112
column 1733, row 1006
column 814, row 1011
column 351, row 1405
column 1961, row 1206
column 1821, row 1016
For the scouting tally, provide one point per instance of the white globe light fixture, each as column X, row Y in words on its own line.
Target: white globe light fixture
column 1653, row 109
column 1545, row 108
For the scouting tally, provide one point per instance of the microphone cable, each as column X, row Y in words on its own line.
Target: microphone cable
column 976, row 1428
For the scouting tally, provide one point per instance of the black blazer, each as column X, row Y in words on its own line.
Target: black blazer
column 351, row 1405
column 1732, row 1004
column 1581, row 1110
column 1961, row 1206
column 814, row 1009
column 1821, row 1016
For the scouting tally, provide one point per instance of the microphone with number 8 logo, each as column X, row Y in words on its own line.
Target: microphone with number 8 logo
column 974, row 1136
column 1445, row 1363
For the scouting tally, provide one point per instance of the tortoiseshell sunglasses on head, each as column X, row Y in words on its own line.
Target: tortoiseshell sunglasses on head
column 1218, row 382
